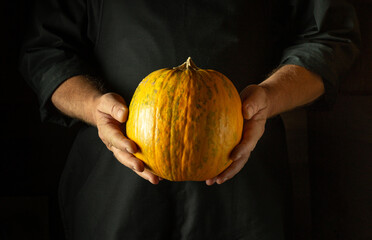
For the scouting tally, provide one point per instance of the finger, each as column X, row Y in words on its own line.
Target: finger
column 253, row 131
column 114, row 105
column 112, row 135
column 232, row 170
column 128, row 160
column 136, row 165
column 211, row 181
column 243, row 149
column 148, row 175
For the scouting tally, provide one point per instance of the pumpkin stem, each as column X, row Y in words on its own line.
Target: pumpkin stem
column 189, row 64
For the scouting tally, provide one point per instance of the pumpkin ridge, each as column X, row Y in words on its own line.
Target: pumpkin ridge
column 172, row 78
column 183, row 147
column 192, row 101
column 204, row 75
column 232, row 95
column 225, row 119
column 164, row 83
column 207, row 98
column 153, row 140
column 201, row 133
column 172, row 125
column 184, row 137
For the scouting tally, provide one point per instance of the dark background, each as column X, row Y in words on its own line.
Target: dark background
column 330, row 151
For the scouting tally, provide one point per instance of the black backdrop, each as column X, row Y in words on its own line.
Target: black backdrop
column 33, row 153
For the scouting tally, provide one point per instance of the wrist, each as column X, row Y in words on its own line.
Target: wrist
column 290, row 87
column 92, row 108
column 77, row 97
column 269, row 99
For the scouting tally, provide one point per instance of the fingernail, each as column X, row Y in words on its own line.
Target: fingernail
column 129, row 150
column 249, row 112
column 120, row 114
column 212, row 181
column 134, row 168
column 160, row 179
column 155, row 182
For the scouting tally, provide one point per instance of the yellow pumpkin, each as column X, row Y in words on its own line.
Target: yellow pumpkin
column 185, row 121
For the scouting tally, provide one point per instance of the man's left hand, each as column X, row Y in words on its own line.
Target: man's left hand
column 255, row 112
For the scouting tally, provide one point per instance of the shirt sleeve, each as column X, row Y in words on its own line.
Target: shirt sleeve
column 56, row 47
column 325, row 42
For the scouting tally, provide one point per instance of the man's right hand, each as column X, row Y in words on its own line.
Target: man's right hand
column 79, row 97
column 110, row 115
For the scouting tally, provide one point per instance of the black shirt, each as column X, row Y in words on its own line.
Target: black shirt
column 121, row 42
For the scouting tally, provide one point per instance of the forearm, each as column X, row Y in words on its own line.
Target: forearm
column 291, row 86
column 76, row 98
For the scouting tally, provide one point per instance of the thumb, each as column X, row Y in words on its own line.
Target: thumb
column 254, row 100
column 114, row 105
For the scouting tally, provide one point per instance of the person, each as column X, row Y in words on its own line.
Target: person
column 84, row 60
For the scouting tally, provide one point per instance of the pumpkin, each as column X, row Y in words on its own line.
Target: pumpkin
column 185, row 121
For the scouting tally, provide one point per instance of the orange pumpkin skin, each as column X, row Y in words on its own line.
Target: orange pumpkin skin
column 185, row 121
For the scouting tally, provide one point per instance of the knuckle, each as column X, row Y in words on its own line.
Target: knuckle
column 109, row 147
column 113, row 109
column 125, row 143
column 111, row 141
column 100, row 134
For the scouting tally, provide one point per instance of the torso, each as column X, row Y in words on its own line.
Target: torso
column 240, row 38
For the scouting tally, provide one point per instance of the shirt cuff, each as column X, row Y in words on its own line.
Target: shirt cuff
column 51, row 79
column 316, row 58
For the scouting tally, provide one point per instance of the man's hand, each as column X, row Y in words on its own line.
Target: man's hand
column 289, row 87
column 255, row 113
column 79, row 97
column 110, row 115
